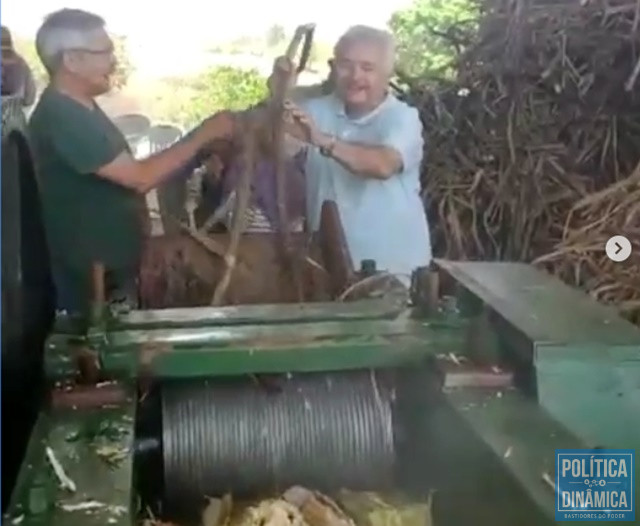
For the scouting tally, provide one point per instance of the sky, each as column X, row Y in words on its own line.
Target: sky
column 159, row 35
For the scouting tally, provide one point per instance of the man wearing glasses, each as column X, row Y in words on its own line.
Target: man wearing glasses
column 92, row 189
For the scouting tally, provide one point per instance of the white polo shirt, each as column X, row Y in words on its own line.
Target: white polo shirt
column 384, row 220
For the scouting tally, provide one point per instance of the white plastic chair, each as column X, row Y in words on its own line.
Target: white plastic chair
column 134, row 127
column 162, row 136
column 172, row 195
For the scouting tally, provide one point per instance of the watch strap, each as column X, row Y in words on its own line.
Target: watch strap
column 327, row 150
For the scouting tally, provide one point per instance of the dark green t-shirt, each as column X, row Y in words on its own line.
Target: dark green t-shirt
column 87, row 217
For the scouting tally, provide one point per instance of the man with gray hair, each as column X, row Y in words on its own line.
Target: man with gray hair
column 92, row 188
column 365, row 154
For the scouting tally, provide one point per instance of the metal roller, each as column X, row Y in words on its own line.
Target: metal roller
column 320, row 430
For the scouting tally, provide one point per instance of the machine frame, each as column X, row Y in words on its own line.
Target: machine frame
column 526, row 365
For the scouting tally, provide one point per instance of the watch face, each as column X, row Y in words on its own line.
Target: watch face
column 326, row 150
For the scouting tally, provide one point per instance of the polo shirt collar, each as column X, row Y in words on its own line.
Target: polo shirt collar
column 340, row 110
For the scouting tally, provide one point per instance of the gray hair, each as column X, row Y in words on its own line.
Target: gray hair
column 378, row 37
column 62, row 31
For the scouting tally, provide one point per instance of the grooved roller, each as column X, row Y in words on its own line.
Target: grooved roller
column 320, row 430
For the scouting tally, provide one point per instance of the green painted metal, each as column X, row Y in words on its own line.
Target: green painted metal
column 585, row 361
column 375, row 309
column 523, row 438
column 94, row 449
column 594, row 390
column 256, row 339
column 474, row 482
column 585, row 356
column 546, row 310
column 242, row 350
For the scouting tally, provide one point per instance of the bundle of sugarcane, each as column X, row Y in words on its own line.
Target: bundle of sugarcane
column 258, row 139
column 544, row 112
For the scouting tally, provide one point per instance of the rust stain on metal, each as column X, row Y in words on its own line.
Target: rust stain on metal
column 468, row 375
column 150, row 350
column 88, row 363
column 88, row 397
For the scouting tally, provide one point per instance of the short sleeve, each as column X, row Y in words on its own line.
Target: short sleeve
column 82, row 138
column 403, row 132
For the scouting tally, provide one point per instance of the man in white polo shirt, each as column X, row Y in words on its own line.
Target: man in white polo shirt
column 366, row 151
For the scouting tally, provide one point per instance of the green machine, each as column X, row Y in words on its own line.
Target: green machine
column 467, row 391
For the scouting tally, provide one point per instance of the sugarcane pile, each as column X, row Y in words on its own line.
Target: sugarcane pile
column 590, row 223
column 532, row 152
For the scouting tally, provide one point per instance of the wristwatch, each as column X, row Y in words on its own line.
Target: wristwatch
column 327, row 150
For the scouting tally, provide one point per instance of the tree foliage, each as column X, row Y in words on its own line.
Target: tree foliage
column 219, row 88
column 430, row 33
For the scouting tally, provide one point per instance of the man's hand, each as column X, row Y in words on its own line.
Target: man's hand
column 301, row 126
column 379, row 162
column 146, row 174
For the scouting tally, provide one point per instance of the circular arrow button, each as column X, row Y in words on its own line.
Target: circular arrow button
column 618, row 248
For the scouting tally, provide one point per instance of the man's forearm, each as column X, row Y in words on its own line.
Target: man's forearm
column 146, row 174
column 160, row 166
column 194, row 161
column 379, row 162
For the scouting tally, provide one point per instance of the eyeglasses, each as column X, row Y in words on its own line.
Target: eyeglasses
column 106, row 51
